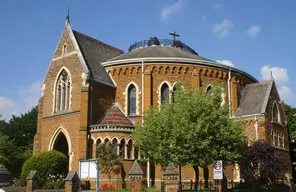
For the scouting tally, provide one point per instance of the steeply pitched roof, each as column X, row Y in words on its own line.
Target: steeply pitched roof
column 135, row 169
column 114, row 116
column 254, row 98
column 95, row 52
column 158, row 51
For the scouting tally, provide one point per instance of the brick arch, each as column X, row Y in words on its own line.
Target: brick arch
column 56, row 134
column 159, row 90
column 55, row 84
column 138, row 92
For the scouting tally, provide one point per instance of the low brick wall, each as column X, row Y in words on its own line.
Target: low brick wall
column 49, row 190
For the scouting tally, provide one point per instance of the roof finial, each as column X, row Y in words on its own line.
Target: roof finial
column 271, row 77
column 68, row 16
column 174, row 34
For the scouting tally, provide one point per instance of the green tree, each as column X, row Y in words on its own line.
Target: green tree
column 16, row 142
column 290, row 113
column 194, row 130
column 109, row 161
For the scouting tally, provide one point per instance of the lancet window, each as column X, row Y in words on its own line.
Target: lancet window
column 62, row 92
column 132, row 100
column 164, row 93
column 275, row 113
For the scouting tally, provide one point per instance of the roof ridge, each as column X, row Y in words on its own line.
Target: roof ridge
column 262, row 82
column 100, row 42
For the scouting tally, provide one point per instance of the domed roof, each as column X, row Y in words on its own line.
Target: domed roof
column 158, row 51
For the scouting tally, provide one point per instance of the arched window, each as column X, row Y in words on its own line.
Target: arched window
column 65, row 49
column 209, row 89
column 173, row 94
column 99, row 141
column 129, row 149
column 62, row 92
column 114, row 146
column 122, row 149
column 164, row 93
column 132, row 100
column 275, row 113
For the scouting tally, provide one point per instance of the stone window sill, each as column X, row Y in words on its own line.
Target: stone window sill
column 280, row 148
column 277, row 123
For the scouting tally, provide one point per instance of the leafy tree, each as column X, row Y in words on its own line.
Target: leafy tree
column 291, row 119
column 109, row 161
column 259, row 163
column 22, row 128
column 194, row 130
column 16, row 142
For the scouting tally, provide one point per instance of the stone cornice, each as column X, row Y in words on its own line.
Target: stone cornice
column 111, row 128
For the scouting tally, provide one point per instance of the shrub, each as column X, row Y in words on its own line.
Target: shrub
column 47, row 164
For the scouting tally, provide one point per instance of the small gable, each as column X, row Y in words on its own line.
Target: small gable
column 65, row 45
column 254, row 99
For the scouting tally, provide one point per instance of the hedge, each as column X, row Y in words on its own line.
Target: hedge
column 47, row 164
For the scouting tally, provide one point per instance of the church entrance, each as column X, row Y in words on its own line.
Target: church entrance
column 61, row 144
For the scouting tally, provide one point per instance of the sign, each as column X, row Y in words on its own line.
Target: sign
column 88, row 169
column 218, row 169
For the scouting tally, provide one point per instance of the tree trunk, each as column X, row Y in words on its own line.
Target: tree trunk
column 196, row 170
column 206, row 176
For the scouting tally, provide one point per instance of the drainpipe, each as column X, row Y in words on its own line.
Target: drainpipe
column 143, row 98
column 229, row 92
column 256, row 128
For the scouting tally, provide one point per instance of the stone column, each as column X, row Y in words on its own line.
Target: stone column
column 171, row 175
column 32, row 181
column 135, row 175
column 125, row 151
column 72, row 182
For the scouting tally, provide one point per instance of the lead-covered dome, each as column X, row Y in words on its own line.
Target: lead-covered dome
column 159, row 48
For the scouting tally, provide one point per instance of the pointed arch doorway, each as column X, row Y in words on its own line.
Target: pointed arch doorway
column 61, row 142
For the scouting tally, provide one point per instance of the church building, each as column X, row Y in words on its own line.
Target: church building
column 95, row 93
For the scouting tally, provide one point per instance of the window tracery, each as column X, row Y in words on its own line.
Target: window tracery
column 62, row 92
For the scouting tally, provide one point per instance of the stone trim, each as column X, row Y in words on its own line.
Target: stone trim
column 111, row 128
column 138, row 94
column 62, row 113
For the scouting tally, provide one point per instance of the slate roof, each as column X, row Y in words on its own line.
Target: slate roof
column 135, row 169
column 254, row 98
column 171, row 170
column 95, row 52
column 158, row 51
column 114, row 116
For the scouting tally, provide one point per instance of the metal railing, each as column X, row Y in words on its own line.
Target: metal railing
column 163, row 42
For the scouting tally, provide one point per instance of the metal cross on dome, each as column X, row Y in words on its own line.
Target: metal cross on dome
column 174, row 34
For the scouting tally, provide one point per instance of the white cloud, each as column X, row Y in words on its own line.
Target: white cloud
column 176, row 7
column 27, row 97
column 280, row 75
column 287, row 95
column 218, row 6
column 253, row 31
column 281, row 78
column 223, row 28
column 226, row 62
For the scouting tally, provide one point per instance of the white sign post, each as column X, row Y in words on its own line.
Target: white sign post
column 218, row 170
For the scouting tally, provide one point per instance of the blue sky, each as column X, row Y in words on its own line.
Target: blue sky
column 255, row 36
